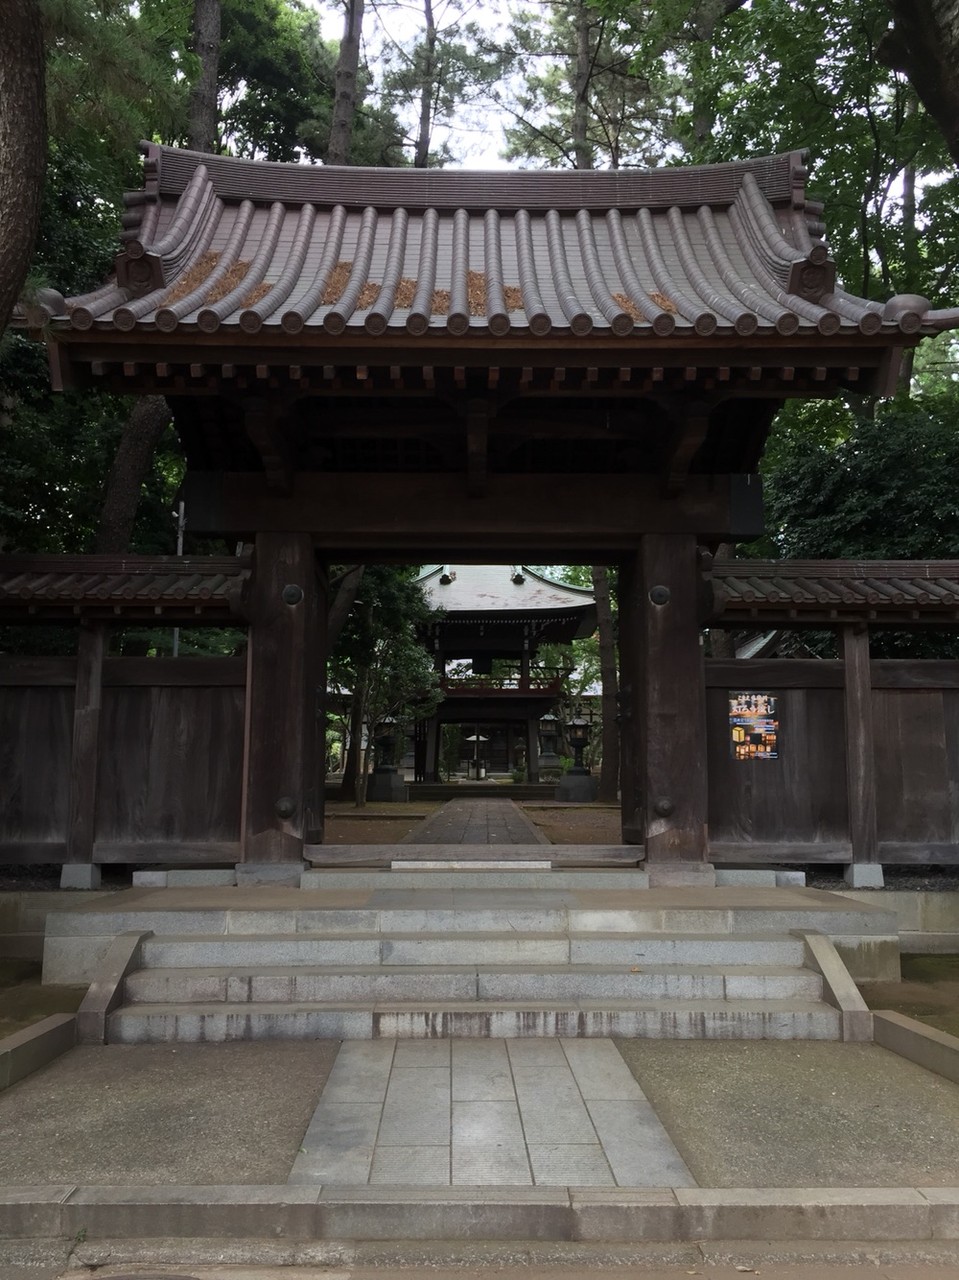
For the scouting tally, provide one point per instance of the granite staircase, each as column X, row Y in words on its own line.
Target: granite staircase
column 486, row 962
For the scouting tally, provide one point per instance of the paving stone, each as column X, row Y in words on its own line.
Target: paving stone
column 638, row 1148
column 481, row 1071
column 417, row 1107
column 361, row 1072
column 423, row 1166
column 572, row 1164
column 600, row 1071
column 479, row 1166
column 433, row 1054
column 338, row 1145
column 551, row 1106
column 487, row 1124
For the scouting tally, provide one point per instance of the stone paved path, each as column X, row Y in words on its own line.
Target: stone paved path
column 486, row 1113
column 477, row 822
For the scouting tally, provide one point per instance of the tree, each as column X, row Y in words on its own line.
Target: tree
column 22, row 146
column 586, row 97
column 781, row 75
column 383, row 665
column 435, row 78
column 924, row 44
column 203, row 95
column 346, row 89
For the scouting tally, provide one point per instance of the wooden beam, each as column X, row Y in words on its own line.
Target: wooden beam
column 404, row 513
column 860, row 744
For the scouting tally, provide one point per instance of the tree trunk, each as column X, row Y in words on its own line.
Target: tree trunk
column 342, row 603
column 203, row 96
column 609, row 769
column 345, row 85
column 427, row 68
column 142, row 430
column 924, row 44
column 23, row 144
column 582, row 152
column 354, row 753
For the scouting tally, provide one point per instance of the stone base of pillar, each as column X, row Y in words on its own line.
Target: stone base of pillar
column 285, row 874
column 863, row 875
column 673, row 874
column 79, row 875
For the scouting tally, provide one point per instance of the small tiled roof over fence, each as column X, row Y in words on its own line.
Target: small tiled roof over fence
column 897, row 592
column 744, row 592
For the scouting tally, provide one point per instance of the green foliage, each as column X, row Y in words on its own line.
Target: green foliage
column 786, row 74
column 57, row 449
column 881, row 487
column 109, row 81
column 275, row 82
column 885, row 488
column 628, row 95
column 378, row 657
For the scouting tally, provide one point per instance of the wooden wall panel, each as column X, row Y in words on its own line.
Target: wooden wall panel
column 178, row 774
column 916, row 764
column 801, row 796
column 36, row 733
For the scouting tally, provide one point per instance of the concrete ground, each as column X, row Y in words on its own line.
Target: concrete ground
column 741, row 1114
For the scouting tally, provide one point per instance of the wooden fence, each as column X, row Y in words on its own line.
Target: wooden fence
column 151, row 769
column 159, row 779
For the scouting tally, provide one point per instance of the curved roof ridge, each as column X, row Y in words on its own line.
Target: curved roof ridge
column 449, row 189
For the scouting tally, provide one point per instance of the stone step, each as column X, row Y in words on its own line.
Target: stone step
column 458, row 983
column 491, row 877
column 703, row 1019
column 249, row 950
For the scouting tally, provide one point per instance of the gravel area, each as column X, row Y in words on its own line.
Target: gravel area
column 931, row 879
column 801, row 1113
column 154, row 1115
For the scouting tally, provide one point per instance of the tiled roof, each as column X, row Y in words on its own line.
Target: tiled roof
column 829, row 591
column 214, row 242
column 499, row 588
column 131, row 587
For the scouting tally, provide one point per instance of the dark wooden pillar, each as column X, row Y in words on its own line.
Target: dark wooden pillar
column 532, row 749
column 663, row 701
column 284, row 750
column 433, row 739
column 860, row 747
column 420, row 737
column 86, row 742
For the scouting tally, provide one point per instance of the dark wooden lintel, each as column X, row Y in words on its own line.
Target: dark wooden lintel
column 373, row 513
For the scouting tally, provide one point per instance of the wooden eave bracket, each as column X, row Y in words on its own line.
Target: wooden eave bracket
column 690, row 427
column 264, row 429
column 478, row 416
